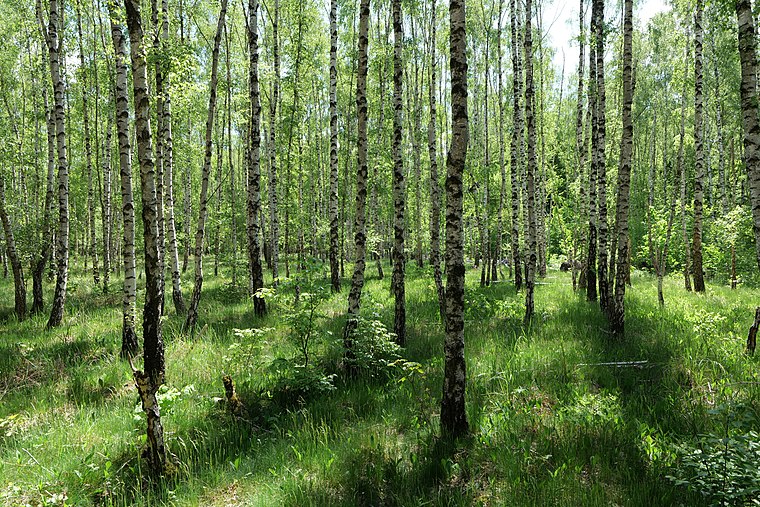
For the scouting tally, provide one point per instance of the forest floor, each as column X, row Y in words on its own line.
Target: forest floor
column 551, row 423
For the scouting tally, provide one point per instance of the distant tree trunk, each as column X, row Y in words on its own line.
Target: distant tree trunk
column 682, row 173
column 502, row 166
column 54, row 42
column 273, row 103
column 374, row 211
column 192, row 311
column 106, row 205
column 128, row 336
column 148, row 382
column 624, row 175
column 233, row 192
column 699, row 156
column 93, row 246
column 435, row 186
column 453, row 414
column 253, row 199
column 723, row 196
column 47, row 227
column 515, row 152
column 591, row 255
column 333, row 198
column 580, row 146
column 360, row 228
column 399, row 185
column 10, row 248
column 532, row 165
column 168, row 173
column 750, row 121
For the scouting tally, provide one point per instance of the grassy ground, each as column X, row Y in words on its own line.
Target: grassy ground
column 550, row 426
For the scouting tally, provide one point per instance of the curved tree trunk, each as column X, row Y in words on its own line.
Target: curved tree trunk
column 128, row 336
column 10, row 248
column 192, row 311
column 360, row 228
column 54, row 42
column 151, row 380
column 624, row 175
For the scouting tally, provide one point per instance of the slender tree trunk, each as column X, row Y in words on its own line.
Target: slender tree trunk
column 253, row 199
column 502, row 166
column 699, row 156
column 605, row 296
column 453, row 414
column 38, row 302
column 233, row 194
column 192, row 311
column 399, row 185
column 750, row 121
column 273, row 103
column 360, row 228
column 333, row 199
column 10, row 248
column 128, row 336
column 435, row 186
column 530, row 273
column 515, row 152
column 54, row 42
column 151, row 380
column 580, row 146
column 624, row 175
column 682, row 173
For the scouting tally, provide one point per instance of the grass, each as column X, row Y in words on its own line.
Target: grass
column 550, row 425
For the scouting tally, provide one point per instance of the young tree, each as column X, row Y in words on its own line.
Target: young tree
column 399, row 186
column 699, row 155
column 54, row 42
column 530, row 273
column 192, row 311
column 624, row 175
column 149, row 381
column 272, row 146
column 516, row 150
column 599, row 148
column 13, row 256
column 333, row 198
column 360, row 227
column 453, row 414
column 128, row 336
column 253, row 198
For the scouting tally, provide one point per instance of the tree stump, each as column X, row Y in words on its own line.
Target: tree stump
column 752, row 336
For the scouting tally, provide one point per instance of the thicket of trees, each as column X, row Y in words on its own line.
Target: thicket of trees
column 538, row 169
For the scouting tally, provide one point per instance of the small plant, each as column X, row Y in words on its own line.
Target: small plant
column 376, row 353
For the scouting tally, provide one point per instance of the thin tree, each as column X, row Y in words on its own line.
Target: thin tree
column 272, row 146
column 530, row 273
column 453, row 414
column 360, row 224
column 597, row 20
column 516, row 150
column 253, row 196
column 150, row 381
column 333, row 198
column 624, row 175
column 435, row 186
column 699, row 153
column 192, row 311
column 54, row 42
column 128, row 336
column 10, row 248
column 399, row 186
column 580, row 146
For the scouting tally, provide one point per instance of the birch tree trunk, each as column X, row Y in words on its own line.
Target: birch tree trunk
column 605, row 296
column 360, row 227
column 128, row 336
column 699, row 156
column 399, row 185
column 516, row 150
column 750, row 121
column 192, row 311
column 149, row 381
column 10, row 248
column 435, row 186
column 253, row 196
column 272, row 146
column 624, row 175
column 580, row 146
column 54, row 42
column 333, row 199
column 453, row 414
column 682, row 173
column 530, row 273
